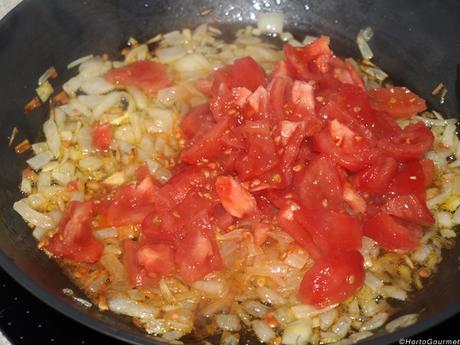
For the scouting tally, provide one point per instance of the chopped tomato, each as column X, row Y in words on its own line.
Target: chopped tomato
column 348, row 149
column 197, row 119
column 244, row 72
column 131, row 204
column 234, row 198
column 157, row 259
column 331, row 231
column 102, row 137
column 197, row 253
column 411, row 144
column 279, row 91
column 142, row 172
column 376, row 178
column 399, row 102
column 73, row 239
column 190, row 179
column 410, row 208
column 148, row 76
column 319, row 186
column 332, row 279
column 410, row 179
column 288, row 222
column 137, row 275
column 391, row 234
column 206, row 146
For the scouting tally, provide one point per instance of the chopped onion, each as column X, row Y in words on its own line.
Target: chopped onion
column 40, row 160
column 33, row 217
column 228, row 322
column 191, row 63
column 255, row 308
column 394, row 292
column 363, row 37
column 400, row 322
column 263, row 331
column 297, row 332
column 91, row 163
column 46, row 75
column 97, row 86
column 375, row 322
column 39, row 233
column 269, row 296
column 171, row 54
column 126, row 306
column 44, row 91
column 79, row 61
column 212, row 287
column 102, row 234
column 52, row 136
column 271, row 22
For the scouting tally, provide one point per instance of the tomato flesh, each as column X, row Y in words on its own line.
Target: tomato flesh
column 73, row 239
column 399, row 102
column 332, row 279
column 102, row 137
column 148, row 76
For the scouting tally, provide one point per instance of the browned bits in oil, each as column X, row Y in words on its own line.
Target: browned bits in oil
column 207, row 11
column 33, row 104
column 424, row 272
column 23, row 146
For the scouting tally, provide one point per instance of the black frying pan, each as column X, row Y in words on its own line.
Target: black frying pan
column 417, row 41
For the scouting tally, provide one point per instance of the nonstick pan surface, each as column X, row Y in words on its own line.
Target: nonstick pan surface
column 417, row 42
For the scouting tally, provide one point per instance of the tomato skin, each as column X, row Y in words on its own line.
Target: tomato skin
column 412, row 144
column 73, row 239
column 410, row 179
column 332, row 279
column 410, row 208
column 376, row 178
column 399, row 102
column 148, row 76
column 319, row 185
column 102, row 137
column 391, row 234
column 234, row 198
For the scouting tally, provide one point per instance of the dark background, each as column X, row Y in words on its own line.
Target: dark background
column 26, row 320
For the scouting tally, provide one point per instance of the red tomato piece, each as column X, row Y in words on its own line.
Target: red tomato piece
column 137, row 275
column 234, row 198
column 376, row 178
column 319, row 185
column 331, row 231
column 221, row 218
column 142, row 172
column 197, row 253
column 260, row 232
column 399, row 102
column 332, row 279
column 411, row 144
column 197, row 119
column 148, row 76
column 287, row 221
column 391, row 234
column 279, row 90
column 410, row 208
column 190, row 179
column 73, row 239
column 102, row 137
column 207, row 146
column 157, row 259
column 410, row 179
column 348, row 149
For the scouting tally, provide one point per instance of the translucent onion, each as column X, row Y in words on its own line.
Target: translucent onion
column 228, row 322
column 271, row 22
column 297, row 332
column 33, row 217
